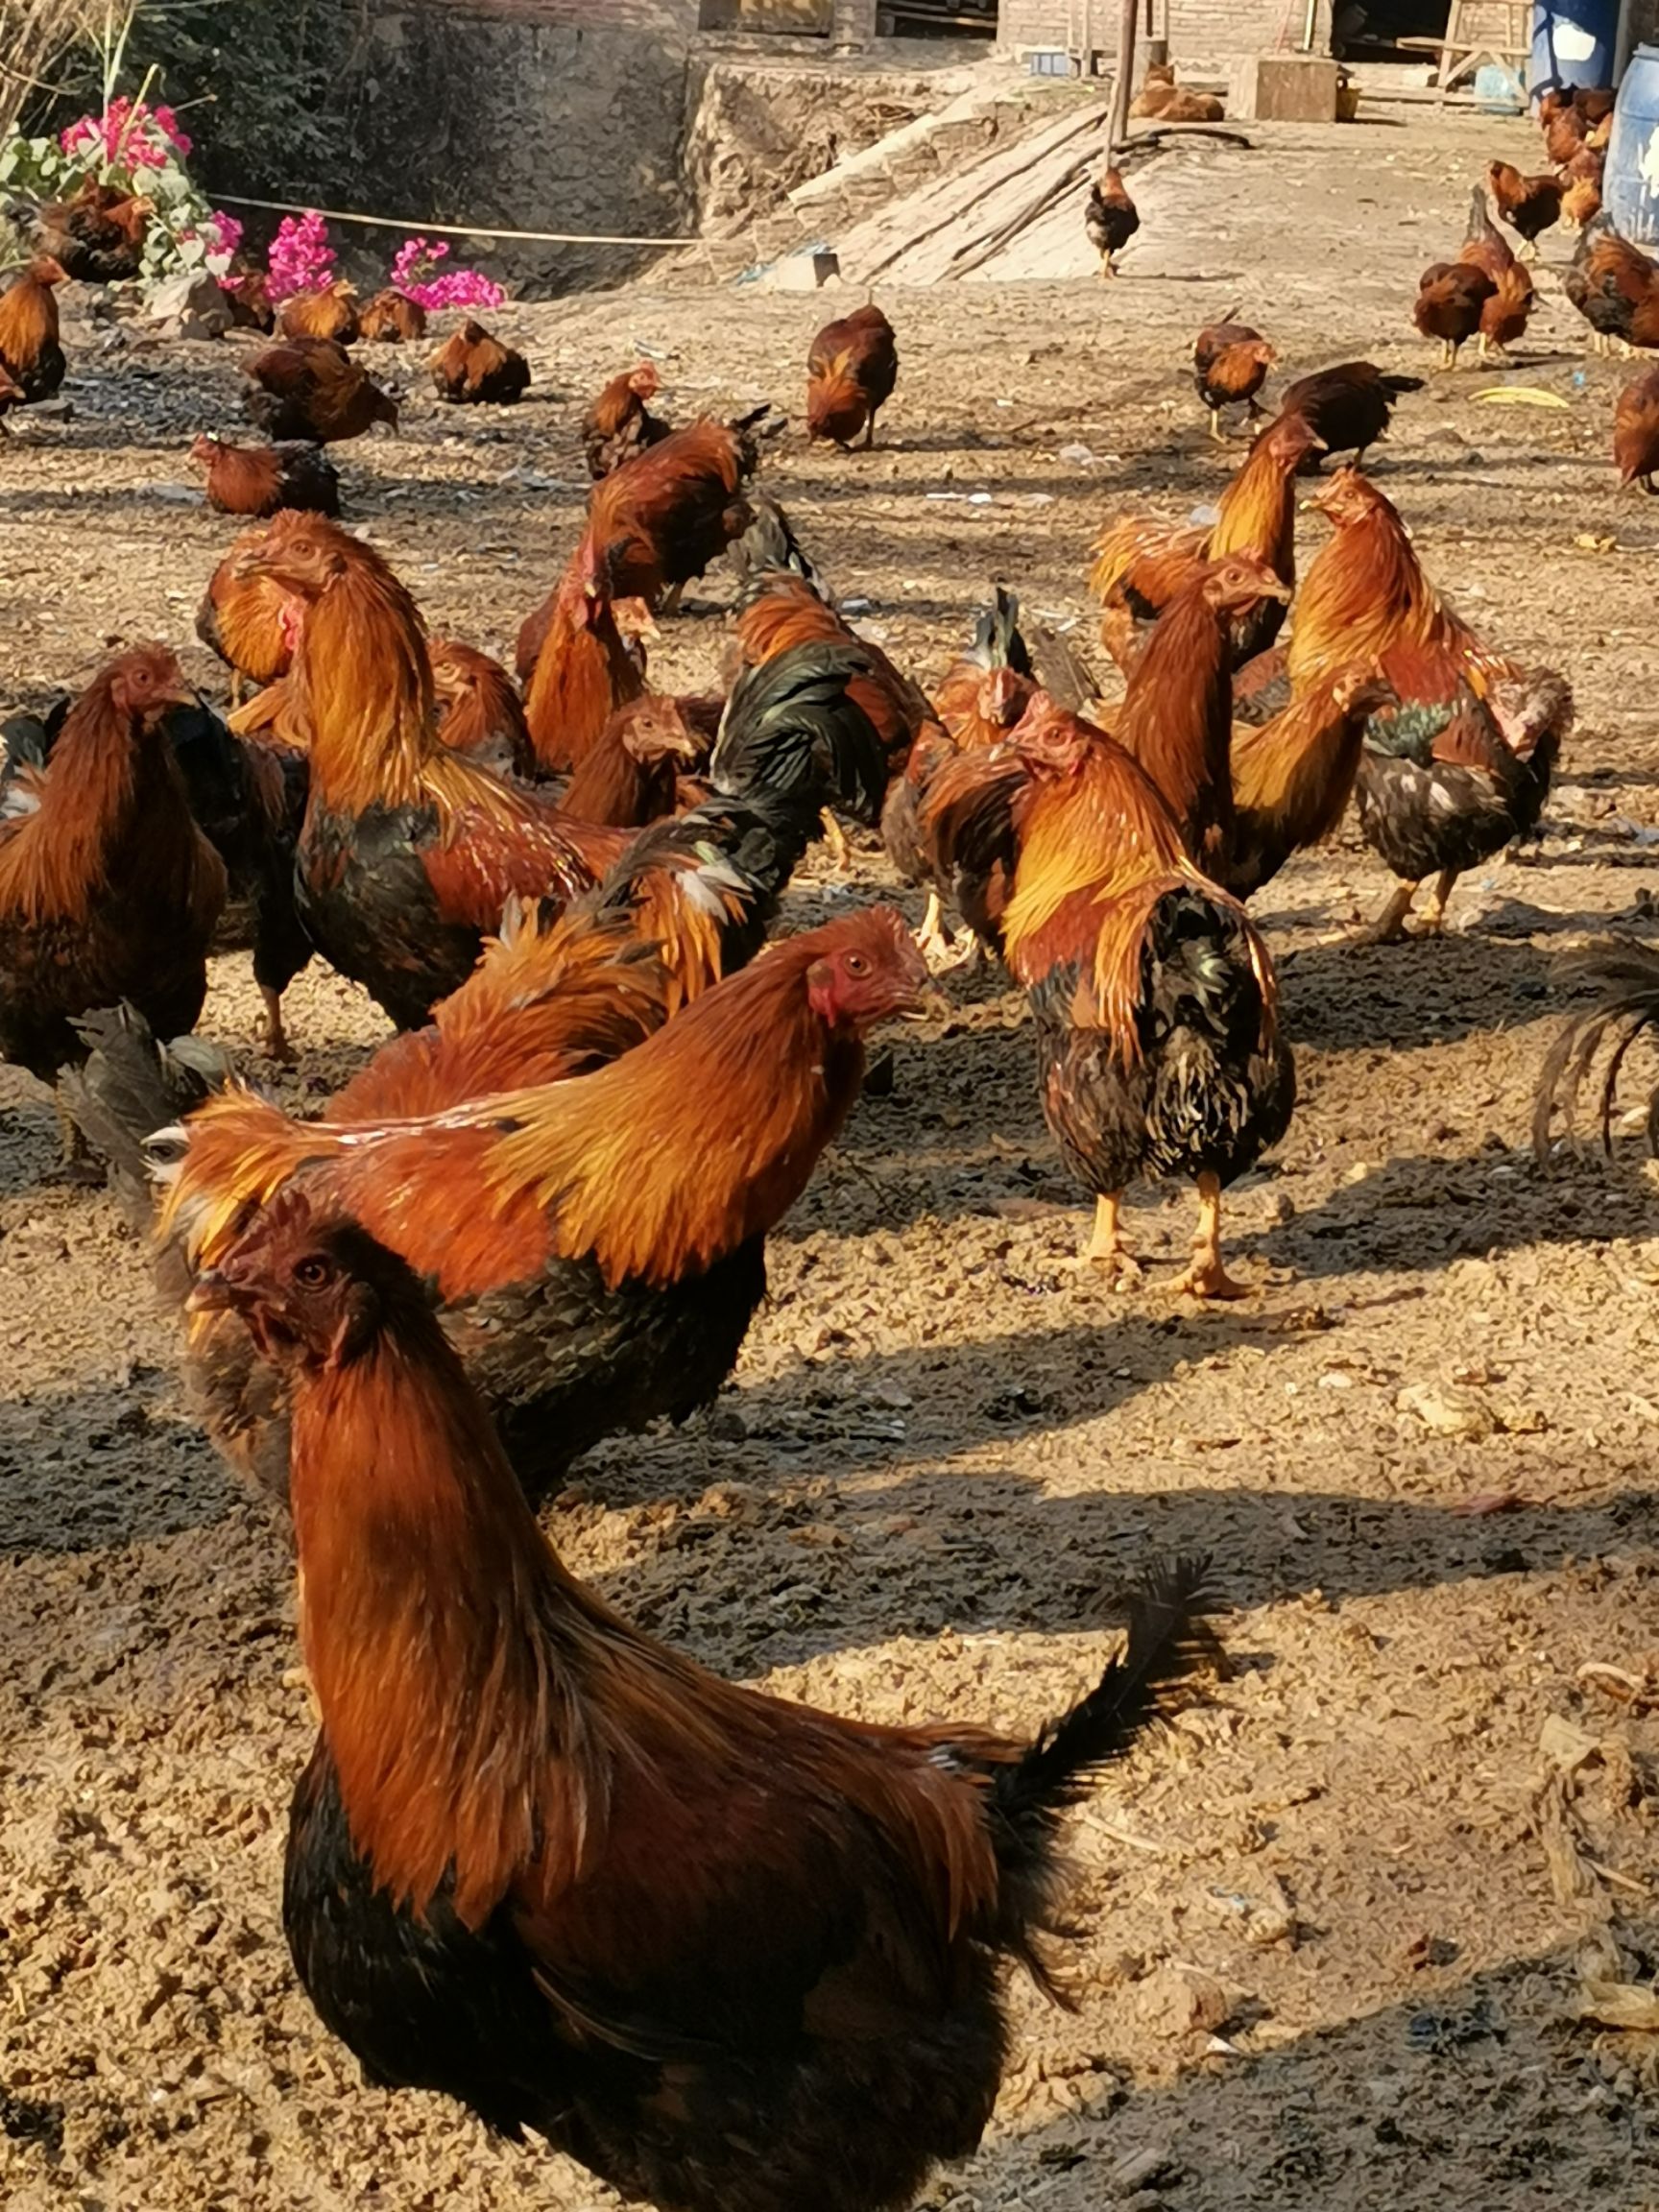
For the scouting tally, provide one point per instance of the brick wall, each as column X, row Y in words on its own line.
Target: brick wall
column 1202, row 34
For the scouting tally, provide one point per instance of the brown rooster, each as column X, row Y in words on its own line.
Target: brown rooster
column 409, row 852
column 30, row 352
column 1452, row 298
column 1458, row 764
column 731, row 1954
column 263, row 479
column 1229, row 365
column 1109, row 218
column 1615, row 286
column 328, row 313
column 479, row 712
column 310, row 388
column 108, row 888
column 1348, row 408
column 582, row 670
column 596, row 1245
column 391, row 318
column 1636, row 431
column 1158, row 1044
column 1293, row 776
column 1140, row 565
column 1503, row 318
column 850, row 371
column 1528, row 204
column 245, row 617
column 662, row 517
column 475, row 368
column 620, row 422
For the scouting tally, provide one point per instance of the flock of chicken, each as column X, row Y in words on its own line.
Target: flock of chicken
column 538, row 1215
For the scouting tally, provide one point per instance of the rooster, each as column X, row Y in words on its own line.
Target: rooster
column 630, row 775
column 1158, row 1042
column 1615, row 286
column 475, row 368
column 662, row 517
column 331, row 313
column 850, row 371
column 1636, row 431
column 1229, row 365
column 1292, row 777
column 581, row 670
column 246, row 618
column 393, row 319
column 408, row 852
column 312, row 389
column 264, row 479
column 596, row 1245
column 1458, row 764
column 1624, row 973
column 729, row 1954
column 108, row 888
column 97, row 234
column 781, row 608
column 620, row 422
column 479, row 712
column 1348, row 408
column 1452, row 297
column 1505, row 316
column 1528, row 204
column 1140, row 565
column 30, row 351
column 1110, row 219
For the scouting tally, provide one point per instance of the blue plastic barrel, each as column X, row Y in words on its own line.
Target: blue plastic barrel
column 1630, row 182
column 1572, row 44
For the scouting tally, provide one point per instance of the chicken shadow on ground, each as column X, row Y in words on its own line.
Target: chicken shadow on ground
column 1347, row 997
column 106, row 1467
column 1480, row 2088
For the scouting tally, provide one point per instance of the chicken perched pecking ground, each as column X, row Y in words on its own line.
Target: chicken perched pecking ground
column 851, row 373
column 1229, row 365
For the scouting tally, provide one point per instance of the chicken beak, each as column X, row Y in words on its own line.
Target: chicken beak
column 212, row 1292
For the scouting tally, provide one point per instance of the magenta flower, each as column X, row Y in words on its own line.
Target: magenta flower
column 415, row 273
column 301, row 258
column 128, row 137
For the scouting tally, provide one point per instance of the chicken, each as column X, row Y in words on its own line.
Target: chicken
column 781, row 610
column 310, row 388
column 850, row 371
column 1528, row 204
column 108, row 888
column 980, row 701
column 1154, row 999
column 331, row 313
column 1163, row 99
column 1229, row 365
column 1140, row 565
column 97, row 234
column 1636, row 431
column 1565, row 134
column 1581, row 197
column 479, row 713
column 1293, row 776
column 1348, row 408
column 408, row 852
column 660, row 518
column 263, row 479
column 1451, row 299
column 1110, row 219
column 620, row 422
column 1175, row 718
column 392, row 319
column 30, row 352
column 475, row 368
column 582, row 670
column 1615, row 286
column 769, row 544
column 629, row 776
column 729, row 1954
column 1458, row 765
column 11, row 394
column 596, row 1245
column 1624, row 973
column 248, row 296
column 245, row 617
column 1505, row 316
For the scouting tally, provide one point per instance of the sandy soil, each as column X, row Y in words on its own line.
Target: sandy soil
column 1339, row 1924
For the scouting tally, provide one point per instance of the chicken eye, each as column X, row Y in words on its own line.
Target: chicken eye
column 857, row 964
column 313, row 1273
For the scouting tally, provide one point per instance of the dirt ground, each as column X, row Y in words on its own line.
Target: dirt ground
column 1338, row 1926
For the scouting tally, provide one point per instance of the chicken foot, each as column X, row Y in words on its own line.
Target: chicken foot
column 273, row 1039
column 835, row 837
column 1389, row 926
column 932, row 938
column 1434, row 916
column 1207, row 1276
column 1105, row 1246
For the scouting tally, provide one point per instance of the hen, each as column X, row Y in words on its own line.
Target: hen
column 1636, row 430
column 1140, row 565
column 97, row 234
column 620, row 422
column 1452, row 297
column 581, row 670
column 479, row 712
column 1615, row 286
column 850, row 371
column 309, row 388
column 1458, row 766
column 108, row 888
column 1348, row 408
column 263, row 479
column 1229, row 365
column 731, row 1954
column 1505, row 316
column 331, row 313
column 662, row 517
column 30, row 351
column 475, row 368
column 1110, row 219
column 392, row 319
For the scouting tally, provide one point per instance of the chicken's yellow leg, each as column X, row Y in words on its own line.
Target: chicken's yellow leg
column 1206, row 1277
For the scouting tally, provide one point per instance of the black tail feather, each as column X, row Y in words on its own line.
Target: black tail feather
column 1624, row 974
column 129, row 1088
column 790, row 727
